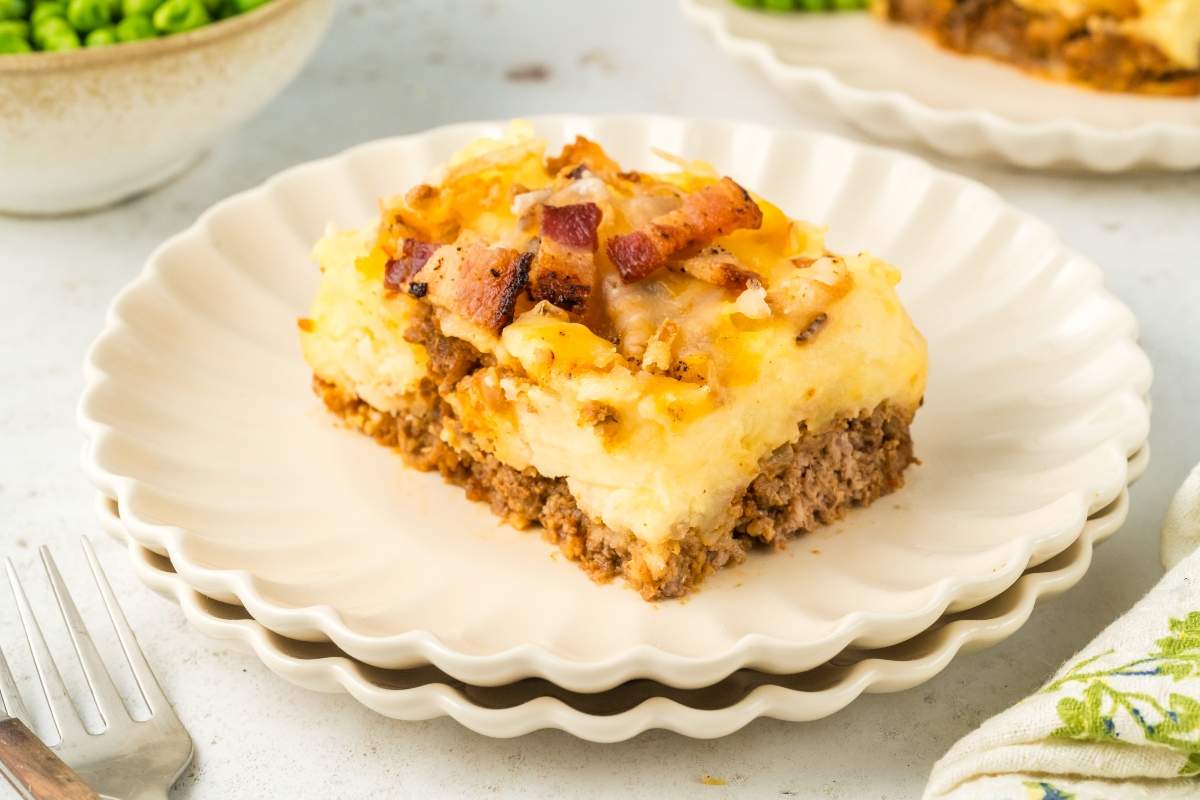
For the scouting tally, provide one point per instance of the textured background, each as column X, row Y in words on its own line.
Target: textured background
column 389, row 68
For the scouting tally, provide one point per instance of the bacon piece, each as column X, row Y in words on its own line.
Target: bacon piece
column 586, row 153
column 717, row 266
column 573, row 225
column 477, row 282
column 408, row 262
column 563, row 276
column 565, row 268
column 716, row 210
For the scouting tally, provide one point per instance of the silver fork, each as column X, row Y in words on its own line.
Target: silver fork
column 129, row 759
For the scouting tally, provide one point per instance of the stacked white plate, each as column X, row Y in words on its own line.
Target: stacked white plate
column 896, row 85
column 344, row 570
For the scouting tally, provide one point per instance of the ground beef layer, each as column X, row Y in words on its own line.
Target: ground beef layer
column 1089, row 52
column 802, row 485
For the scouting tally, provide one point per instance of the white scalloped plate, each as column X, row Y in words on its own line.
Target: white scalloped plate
column 201, row 423
column 627, row 710
column 894, row 84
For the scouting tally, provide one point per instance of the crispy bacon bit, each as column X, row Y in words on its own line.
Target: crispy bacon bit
column 716, row 210
column 481, row 284
column 635, row 255
column 573, row 225
column 717, row 266
column 565, row 268
column 564, row 285
column 408, row 262
column 812, row 328
column 586, row 153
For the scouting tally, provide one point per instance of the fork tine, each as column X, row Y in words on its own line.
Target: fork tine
column 10, row 700
column 152, row 693
column 66, row 719
column 104, row 692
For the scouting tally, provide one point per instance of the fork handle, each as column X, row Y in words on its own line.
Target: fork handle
column 34, row 769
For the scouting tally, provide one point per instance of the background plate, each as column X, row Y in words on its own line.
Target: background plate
column 627, row 710
column 896, row 85
column 200, row 422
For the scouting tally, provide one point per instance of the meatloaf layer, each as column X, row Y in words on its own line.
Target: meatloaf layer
column 1083, row 51
column 810, row 482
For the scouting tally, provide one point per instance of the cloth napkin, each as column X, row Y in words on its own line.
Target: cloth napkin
column 1121, row 719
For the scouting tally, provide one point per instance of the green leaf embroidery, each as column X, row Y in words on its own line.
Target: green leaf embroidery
column 1186, row 638
column 1092, row 717
column 1084, row 719
column 1177, row 670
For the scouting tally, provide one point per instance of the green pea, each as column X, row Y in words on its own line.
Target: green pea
column 44, row 11
column 14, row 44
column 134, row 28
column 213, row 7
column 15, row 27
column 13, row 9
column 66, row 40
column 88, row 15
column 101, row 37
column 242, row 6
column 177, row 16
column 130, row 8
column 49, row 28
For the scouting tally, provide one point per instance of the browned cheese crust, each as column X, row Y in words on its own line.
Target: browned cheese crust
column 800, row 486
column 1051, row 45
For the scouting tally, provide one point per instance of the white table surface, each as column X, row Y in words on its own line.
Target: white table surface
column 390, row 68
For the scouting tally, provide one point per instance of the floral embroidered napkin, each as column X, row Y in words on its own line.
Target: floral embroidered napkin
column 1120, row 720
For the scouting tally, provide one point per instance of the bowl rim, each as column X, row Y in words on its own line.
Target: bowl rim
column 44, row 62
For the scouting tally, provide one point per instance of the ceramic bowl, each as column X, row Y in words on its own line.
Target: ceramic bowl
column 86, row 128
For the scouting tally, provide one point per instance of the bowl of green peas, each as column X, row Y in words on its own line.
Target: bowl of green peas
column 103, row 99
